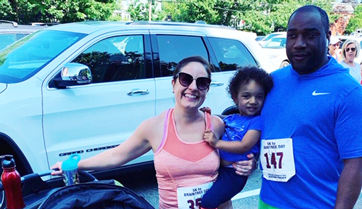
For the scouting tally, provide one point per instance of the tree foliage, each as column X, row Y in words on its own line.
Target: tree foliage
column 355, row 21
column 26, row 11
column 259, row 16
column 140, row 11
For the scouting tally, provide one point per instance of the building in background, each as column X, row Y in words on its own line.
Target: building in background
column 346, row 10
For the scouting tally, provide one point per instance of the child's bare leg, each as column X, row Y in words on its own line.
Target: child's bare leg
column 226, row 205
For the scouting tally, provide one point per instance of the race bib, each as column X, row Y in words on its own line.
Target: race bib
column 190, row 197
column 277, row 159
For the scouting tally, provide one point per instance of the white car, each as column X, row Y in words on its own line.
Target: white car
column 85, row 87
column 270, row 36
column 11, row 31
column 275, row 49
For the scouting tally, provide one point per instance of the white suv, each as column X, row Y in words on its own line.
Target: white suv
column 85, row 87
column 11, row 31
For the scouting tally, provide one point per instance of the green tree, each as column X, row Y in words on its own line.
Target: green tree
column 260, row 16
column 140, row 11
column 195, row 10
column 6, row 11
column 356, row 20
column 26, row 11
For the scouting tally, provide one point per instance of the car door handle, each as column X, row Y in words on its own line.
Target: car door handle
column 138, row 92
column 216, row 84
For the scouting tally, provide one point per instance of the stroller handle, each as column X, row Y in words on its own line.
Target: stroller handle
column 26, row 177
column 83, row 174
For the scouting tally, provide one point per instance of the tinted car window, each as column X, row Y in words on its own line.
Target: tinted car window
column 175, row 48
column 115, row 59
column 6, row 39
column 231, row 54
column 276, row 43
column 20, row 61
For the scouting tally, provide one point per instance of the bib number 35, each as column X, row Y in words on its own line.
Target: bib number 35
column 190, row 197
column 194, row 204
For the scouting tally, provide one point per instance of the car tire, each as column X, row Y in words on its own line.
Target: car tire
column 2, row 199
column 2, row 193
column 284, row 64
column 4, row 150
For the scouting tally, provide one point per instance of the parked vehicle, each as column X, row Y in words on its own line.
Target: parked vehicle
column 259, row 38
column 270, row 36
column 11, row 31
column 85, row 87
column 275, row 48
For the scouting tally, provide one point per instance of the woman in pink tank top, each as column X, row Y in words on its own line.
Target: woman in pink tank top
column 185, row 164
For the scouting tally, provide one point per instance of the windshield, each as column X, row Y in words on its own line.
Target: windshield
column 276, row 43
column 26, row 57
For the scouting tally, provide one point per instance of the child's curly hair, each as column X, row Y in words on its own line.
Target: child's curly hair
column 246, row 74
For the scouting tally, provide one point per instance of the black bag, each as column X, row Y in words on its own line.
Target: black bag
column 95, row 195
column 90, row 194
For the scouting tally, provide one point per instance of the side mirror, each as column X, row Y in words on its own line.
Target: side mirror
column 74, row 74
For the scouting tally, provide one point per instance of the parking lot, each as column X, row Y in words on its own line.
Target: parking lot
column 144, row 183
column 82, row 88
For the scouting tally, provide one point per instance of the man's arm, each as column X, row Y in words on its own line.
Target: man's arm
column 349, row 185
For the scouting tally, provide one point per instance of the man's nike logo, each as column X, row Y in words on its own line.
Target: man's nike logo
column 317, row 94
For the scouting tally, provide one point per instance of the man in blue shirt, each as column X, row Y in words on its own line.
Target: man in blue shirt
column 311, row 148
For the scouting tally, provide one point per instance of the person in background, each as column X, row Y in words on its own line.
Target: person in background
column 248, row 89
column 184, row 162
column 351, row 50
column 311, row 150
column 333, row 48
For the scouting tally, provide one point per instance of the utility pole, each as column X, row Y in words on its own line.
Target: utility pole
column 149, row 10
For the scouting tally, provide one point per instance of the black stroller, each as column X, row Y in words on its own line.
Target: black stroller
column 92, row 194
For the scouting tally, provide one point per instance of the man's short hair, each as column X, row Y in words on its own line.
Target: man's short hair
column 311, row 8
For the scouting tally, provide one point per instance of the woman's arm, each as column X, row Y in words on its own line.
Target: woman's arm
column 245, row 167
column 133, row 147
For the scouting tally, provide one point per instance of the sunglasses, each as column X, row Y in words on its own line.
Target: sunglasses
column 352, row 49
column 185, row 80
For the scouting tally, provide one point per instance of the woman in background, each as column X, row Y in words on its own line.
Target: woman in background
column 351, row 50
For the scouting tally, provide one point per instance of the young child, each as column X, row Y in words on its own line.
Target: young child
column 248, row 89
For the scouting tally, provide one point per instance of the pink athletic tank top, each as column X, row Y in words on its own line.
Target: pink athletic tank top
column 182, row 164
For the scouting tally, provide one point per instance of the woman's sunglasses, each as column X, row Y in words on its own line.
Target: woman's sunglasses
column 352, row 49
column 185, row 80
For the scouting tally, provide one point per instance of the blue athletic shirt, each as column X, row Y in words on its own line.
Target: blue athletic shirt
column 321, row 112
column 236, row 127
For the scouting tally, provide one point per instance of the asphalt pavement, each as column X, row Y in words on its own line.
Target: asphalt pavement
column 144, row 184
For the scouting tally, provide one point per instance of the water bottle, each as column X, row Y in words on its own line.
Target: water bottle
column 10, row 179
column 70, row 170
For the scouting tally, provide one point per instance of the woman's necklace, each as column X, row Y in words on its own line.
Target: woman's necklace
column 350, row 63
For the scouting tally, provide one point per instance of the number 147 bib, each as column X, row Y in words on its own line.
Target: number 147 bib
column 277, row 159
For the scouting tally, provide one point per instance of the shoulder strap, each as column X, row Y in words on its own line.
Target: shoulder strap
column 208, row 120
column 165, row 129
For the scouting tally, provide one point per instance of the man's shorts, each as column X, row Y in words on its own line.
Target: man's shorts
column 263, row 205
